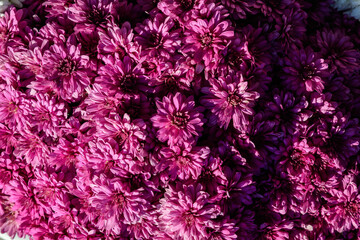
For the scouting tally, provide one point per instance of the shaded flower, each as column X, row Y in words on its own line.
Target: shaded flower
column 338, row 51
column 304, row 71
column 157, row 37
column 228, row 99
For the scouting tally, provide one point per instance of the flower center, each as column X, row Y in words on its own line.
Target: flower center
column 189, row 218
column 234, row 99
column 155, row 39
column 206, row 39
column 66, row 67
column 119, row 200
column 128, row 83
column 12, row 107
column 352, row 209
column 186, row 4
column 307, row 72
column 96, row 16
column 182, row 161
column 180, row 119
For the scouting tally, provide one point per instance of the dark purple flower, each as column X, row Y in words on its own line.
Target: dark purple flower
column 304, row 71
column 338, row 51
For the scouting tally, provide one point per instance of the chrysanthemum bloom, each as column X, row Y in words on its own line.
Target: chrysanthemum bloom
column 10, row 25
column 32, row 148
column 47, row 114
column 118, row 41
column 292, row 112
column 14, row 107
column 127, row 135
column 64, row 71
column 183, row 161
column 90, row 14
column 338, row 51
column 146, row 227
column 297, row 160
column 23, row 200
column 342, row 209
column 304, row 71
column 177, row 119
column 67, row 153
column 115, row 203
column 212, row 177
column 229, row 99
column 205, row 39
column 237, row 56
column 48, row 189
column 258, row 46
column 185, row 212
column 157, row 37
column 122, row 78
column 99, row 103
column 291, row 28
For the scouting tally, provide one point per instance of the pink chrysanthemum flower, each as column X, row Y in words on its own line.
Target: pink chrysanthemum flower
column 177, row 119
column 185, row 212
column 342, row 209
column 338, row 51
column 67, row 153
column 118, row 41
column 228, row 99
column 14, row 107
column 23, row 199
column 64, row 71
column 304, row 72
column 47, row 188
column 115, row 203
column 123, row 133
column 48, row 114
column 32, row 148
column 178, row 9
column 157, row 37
column 205, row 39
column 123, row 78
column 90, row 14
column 183, row 162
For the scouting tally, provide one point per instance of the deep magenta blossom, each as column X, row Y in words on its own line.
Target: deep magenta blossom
column 185, row 212
column 177, row 119
column 229, row 100
column 342, row 209
column 205, row 39
column 183, row 162
column 157, row 37
column 64, row 72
